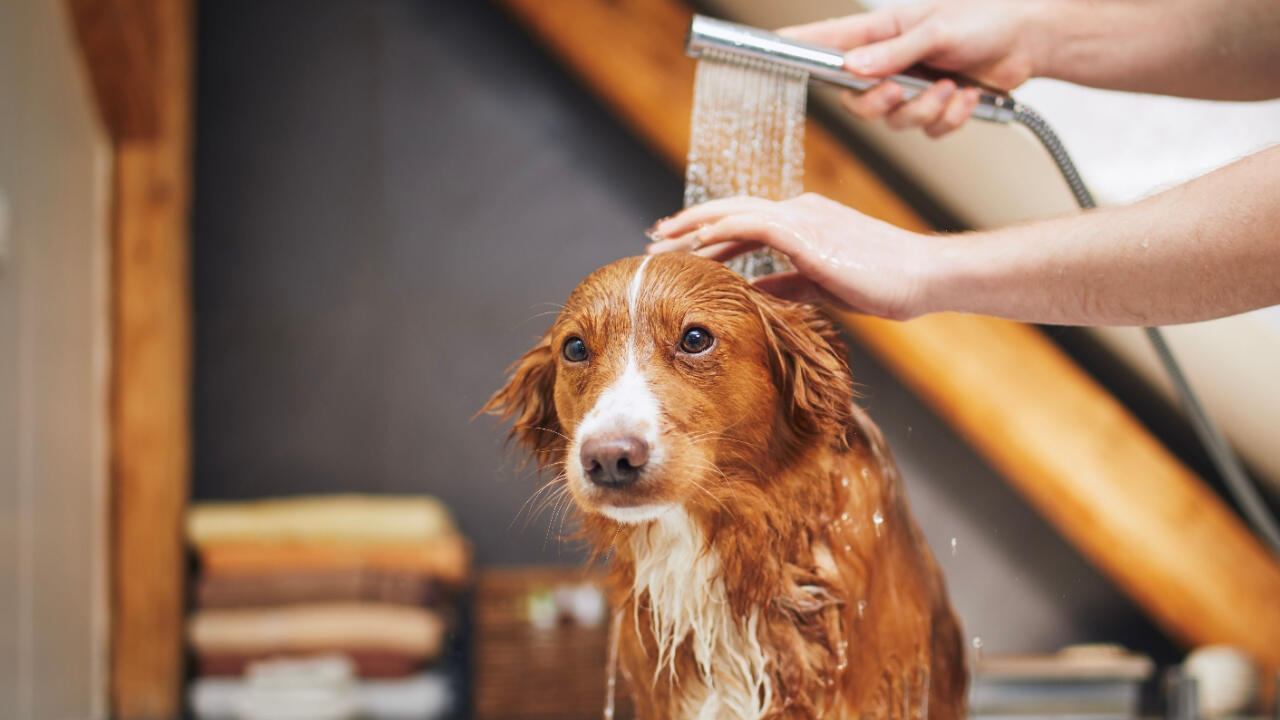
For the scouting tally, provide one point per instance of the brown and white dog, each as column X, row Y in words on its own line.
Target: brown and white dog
column 761, row 542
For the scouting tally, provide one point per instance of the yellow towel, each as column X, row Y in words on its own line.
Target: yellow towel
column 323, row 626
column 446, row 558
column 326, row 518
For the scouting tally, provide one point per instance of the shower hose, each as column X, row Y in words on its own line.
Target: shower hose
column 1224, row 458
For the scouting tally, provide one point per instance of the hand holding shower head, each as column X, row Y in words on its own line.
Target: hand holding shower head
column 718, row 39
column 730, row 42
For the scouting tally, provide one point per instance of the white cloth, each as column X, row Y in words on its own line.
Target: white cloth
column 318, row 689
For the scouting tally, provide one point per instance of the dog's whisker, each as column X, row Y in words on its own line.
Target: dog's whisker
column 553, row 431
column 706, row 465
column 564, row 514
column 546, row 538
column 541, row 499
column 720, row 437
column 525, row 505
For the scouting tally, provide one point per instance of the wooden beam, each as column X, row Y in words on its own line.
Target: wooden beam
column 1094, row 472
column 117, row 39
column 1066, row 444
column 138, row 55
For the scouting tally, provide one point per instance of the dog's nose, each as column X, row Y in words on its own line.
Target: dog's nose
column 613, row 460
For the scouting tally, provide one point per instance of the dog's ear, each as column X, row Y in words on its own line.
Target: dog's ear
column 810, row 367
column 529, row 398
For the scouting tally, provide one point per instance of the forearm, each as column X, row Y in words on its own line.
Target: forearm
column 1193, row 48
column 1203, row 250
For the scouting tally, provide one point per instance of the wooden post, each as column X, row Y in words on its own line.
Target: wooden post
column 1067, row 445
column 138, row 57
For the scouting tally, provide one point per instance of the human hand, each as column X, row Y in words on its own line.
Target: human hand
column 841, row 256
column 995, row 42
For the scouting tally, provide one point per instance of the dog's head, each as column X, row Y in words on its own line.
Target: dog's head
column 669, row 374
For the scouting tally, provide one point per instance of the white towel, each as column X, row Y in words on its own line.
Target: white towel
column 318, row 689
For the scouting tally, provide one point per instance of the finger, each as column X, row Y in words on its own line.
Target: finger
column 849, row 31
column 798, row 288
column 684, row 243
column 957, row 112
column 924, row 108
column 714, row 244
column 692, row 218
column 874, row 103
column 890, row 56
column 727, row 250
column 754, row 227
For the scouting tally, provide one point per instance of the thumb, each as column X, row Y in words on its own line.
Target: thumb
column 893, row 55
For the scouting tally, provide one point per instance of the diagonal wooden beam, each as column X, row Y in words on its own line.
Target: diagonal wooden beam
column 1060, row 439
column 118, row 41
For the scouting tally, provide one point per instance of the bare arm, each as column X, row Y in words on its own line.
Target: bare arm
column 1194, row 48
column 1206, row 249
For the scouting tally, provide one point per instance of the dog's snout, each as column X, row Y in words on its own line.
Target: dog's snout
column 613, row 460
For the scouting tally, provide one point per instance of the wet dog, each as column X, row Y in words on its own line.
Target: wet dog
column 760, row 542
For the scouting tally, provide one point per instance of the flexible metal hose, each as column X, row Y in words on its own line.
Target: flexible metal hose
column 1224, row 458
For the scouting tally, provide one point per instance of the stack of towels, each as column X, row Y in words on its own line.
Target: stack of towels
column 337, row 586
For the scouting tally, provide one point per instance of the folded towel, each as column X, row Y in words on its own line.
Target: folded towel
column 318, row 688
column 365, row 663
column 324, row 518
column 290, row 587
column 410, row 631
column 446, row 558
column 420, row 697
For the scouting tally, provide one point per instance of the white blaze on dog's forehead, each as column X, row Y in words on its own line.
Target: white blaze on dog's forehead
column 633, row 314
column 628, row 403
column 633, row 291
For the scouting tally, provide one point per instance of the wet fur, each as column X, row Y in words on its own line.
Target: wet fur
column 794, row 583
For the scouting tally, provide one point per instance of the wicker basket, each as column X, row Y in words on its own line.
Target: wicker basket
column 528, row 671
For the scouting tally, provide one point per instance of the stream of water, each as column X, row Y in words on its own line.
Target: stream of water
column 747, row 138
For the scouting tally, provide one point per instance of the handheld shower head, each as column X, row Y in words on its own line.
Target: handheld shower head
column 720, row 40
column 730, row 42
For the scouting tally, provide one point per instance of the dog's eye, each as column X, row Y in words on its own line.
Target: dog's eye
column 695, row 340
column 574, row 350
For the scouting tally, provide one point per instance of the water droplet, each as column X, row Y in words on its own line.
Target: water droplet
column 1146, row 243
column 878, row 519
column 953, row 547
column 844, row 481
column 848, row 548
column 844, row 517
column 862, row 607
column 977, row 643
column 864, row 473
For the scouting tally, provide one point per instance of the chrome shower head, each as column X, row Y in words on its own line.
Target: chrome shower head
column 720, row 40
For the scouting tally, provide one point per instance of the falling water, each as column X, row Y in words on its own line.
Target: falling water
column 747, row 138
column 611, row 669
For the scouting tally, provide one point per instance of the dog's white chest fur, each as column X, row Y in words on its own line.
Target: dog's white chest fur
column 687, row 599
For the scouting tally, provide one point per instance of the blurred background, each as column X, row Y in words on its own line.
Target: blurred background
column 284, row 250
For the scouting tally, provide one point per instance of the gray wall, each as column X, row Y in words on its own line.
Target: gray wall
column 390, row 196
column 54, row 185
